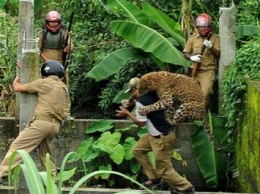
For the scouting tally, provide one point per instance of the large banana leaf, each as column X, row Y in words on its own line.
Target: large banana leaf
column 149, row 40
column 129, row 10
column 113, row 62
column 212, row 166
column 165, row 22
column 247, row 30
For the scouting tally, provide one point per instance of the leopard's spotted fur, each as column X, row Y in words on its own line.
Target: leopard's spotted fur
column 180, row 95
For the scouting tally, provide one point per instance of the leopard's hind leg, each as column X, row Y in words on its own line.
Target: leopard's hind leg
column 188, row 112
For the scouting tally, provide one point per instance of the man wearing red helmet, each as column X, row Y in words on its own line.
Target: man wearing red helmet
column 206, row 62
column 52, row 39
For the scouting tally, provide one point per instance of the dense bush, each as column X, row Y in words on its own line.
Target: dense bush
column 246, row 66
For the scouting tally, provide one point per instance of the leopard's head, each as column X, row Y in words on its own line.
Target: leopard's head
column 150, row 82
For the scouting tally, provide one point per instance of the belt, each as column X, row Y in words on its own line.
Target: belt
column 159, row 136
column 47, row 118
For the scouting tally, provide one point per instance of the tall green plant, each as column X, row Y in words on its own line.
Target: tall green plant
column 163, row 45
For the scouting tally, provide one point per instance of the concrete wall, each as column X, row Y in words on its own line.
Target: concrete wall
column 74, row 133
column 248, row 143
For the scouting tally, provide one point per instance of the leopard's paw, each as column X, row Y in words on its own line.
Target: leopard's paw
column 143, row 111
column 172, row 121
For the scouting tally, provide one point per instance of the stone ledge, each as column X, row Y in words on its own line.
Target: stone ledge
column 10, row 190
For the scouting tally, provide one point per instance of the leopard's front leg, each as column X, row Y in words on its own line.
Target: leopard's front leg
column 159, row 105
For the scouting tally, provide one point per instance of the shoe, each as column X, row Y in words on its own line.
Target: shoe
column 154, row 183
column 190, row 190
column 4, row 180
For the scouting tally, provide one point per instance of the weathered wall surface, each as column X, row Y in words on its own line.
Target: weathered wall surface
column 8, row 131
column 74, row 133
column 248, row 143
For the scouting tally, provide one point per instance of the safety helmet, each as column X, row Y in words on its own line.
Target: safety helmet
column 52, row 67
column 204, row 20
column 53, row 16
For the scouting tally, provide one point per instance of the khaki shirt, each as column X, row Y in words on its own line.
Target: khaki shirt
column 53, row 97
column 193, row 46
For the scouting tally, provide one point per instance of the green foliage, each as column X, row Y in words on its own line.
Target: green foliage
column 248, row 12
column 213, row 165
column 101, row 126
column 209, row 167
column 247, row 31
column 154, row 45
column 38, row 181
column 10, row 6
column 246, row 66
column 30, row 172
column 8, row 41
column 2, row 4
column 234, row 89
column 108, row 66
column 136, row 30
column 107, row 151
column 106, row 145
column 149, row 40
column 93, row 40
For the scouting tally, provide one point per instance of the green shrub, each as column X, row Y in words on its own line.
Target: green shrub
column 246, row 66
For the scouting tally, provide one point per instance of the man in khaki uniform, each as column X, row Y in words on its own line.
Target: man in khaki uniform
column 52, row 40
column 52, row 107
column 160, row 140
column 207, row 62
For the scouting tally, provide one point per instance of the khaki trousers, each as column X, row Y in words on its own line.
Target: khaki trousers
column 162, row 150
column 37, row 134
column 206, row 80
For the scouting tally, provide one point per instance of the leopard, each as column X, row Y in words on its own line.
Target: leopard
column 180, row 96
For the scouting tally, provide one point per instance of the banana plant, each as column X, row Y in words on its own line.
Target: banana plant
column 163, row 46
column 212, row 164
column 247, row 30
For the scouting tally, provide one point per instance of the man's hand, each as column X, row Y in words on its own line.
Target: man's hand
column 19, row 65
column 16, row 81
column 18, row 87
column 207, row 43
column 68, row 49
column 196, row 58
column 125, row 103
column 123, row 112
